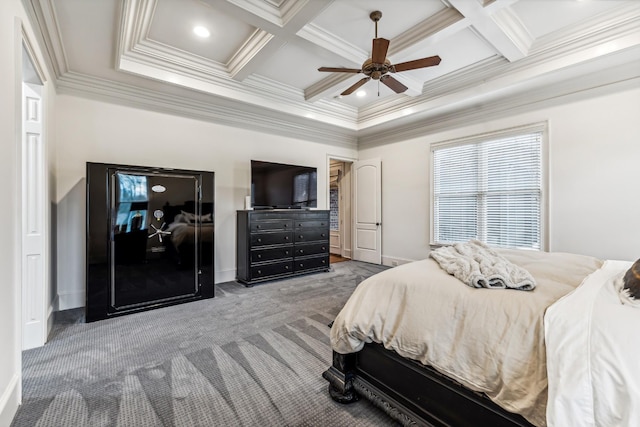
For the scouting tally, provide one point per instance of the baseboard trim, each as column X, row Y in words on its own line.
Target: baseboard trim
column 10, row 400
column 68, row 300
column 225, row 276
column 55, row 304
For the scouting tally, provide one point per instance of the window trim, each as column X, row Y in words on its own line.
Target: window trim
column 542, row 127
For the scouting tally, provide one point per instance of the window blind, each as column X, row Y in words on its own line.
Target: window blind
column 304, row 190
column 490, row 191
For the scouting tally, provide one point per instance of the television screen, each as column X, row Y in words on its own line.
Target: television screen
column 282, row 186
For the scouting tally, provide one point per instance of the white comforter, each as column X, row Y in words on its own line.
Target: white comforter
column 490, row 340
column 593, row 355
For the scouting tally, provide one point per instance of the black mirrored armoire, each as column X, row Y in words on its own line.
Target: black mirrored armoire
column 149, row 238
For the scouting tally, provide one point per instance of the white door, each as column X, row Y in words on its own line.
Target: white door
column 33, row 210
column 367, row 211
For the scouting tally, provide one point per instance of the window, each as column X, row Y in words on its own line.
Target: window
column 305, row 189
column 489, row 189
column 132, row 202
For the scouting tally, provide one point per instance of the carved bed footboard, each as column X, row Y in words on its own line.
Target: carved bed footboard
column 411, row 393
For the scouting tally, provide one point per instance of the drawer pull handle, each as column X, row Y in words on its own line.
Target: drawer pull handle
column 324, row 262
column 301, row 236
column 257, row 226
column 322, row 235
column 286, row 267
column 301, row 265
column 285, row 226
column 259, row 240
column 259, row 256
column 259, row 271
column 286, row 237
column 323, row 248
column 301, row 251
column 286, row 252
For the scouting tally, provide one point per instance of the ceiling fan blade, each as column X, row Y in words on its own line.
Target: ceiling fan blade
column 379, row 50
column 355, row 86
column 417, row 63
column 340, row 70
column 393, row 84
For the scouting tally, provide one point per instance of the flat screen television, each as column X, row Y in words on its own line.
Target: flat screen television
column 282, row 186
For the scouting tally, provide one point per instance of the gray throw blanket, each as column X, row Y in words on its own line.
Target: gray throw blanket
column 479, row 266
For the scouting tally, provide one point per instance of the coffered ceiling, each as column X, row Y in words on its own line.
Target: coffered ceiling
column 258, row 68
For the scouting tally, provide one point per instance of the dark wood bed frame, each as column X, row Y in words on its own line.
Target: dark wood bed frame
column 411, row 393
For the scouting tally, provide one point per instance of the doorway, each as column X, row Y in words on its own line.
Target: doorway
column 340, row 193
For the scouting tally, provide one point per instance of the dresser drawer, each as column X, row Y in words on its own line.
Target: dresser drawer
column 283, row 224
column 273, row 238
column 313, row 215
column 262, row 255
column 312, row 224
column 312, row 263
column 273, row 269
column 311, row 235
column 312, row 249
column 268, row 215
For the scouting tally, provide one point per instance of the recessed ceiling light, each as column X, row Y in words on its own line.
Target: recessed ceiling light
column 361, row 93
column 201, row 32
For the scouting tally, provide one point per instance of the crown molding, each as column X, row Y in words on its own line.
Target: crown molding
column 42, row 13
column 507, row 20
column 616, row 31
column 624, row 77
column 276, row 14
column 424, row 33
column 256, row 43
column 139, row 55
column 332, row 43
column 133, row 96
column 325, row 86
column 610, row 32
column 608, row 26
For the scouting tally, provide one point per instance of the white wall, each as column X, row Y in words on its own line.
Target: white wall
column 13, row 22
column 93, row 131
column 594, row 161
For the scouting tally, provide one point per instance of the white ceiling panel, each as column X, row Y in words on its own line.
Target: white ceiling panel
column 457, row 51
column 542, row 17
column 295, row 65
column 349, row 20
column 174, row 20
column 88, row 31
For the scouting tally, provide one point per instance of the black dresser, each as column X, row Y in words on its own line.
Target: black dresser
column 274, row 244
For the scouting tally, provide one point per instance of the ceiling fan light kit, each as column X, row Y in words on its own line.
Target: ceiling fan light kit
column 378, row 66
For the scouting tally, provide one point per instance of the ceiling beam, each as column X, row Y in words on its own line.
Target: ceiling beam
column 276, row 26
column 498, row 26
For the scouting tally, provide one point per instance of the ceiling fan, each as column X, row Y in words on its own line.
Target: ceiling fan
column 378, row 66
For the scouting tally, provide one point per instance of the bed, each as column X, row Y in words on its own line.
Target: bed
column 184, row 231
column 186, row 228
column 430, row 350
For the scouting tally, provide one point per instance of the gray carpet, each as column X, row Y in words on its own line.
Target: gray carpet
column 248, row 357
